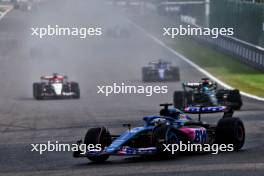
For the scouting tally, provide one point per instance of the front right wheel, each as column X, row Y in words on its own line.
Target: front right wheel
column 76, row 89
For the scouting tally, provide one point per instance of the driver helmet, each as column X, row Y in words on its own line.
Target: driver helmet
column 206, row 82
column 55, row 77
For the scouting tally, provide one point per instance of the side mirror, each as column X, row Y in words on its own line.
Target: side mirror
column 128, row 125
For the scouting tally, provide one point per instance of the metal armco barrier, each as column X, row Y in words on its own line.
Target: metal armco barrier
column 245, row 52
column 245, row 16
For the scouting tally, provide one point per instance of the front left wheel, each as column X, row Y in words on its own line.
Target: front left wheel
column 98, row 136
column 76, row 89
column 37, row 89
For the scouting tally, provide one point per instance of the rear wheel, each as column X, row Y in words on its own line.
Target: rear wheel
column 230, row 131
column 145, row 75
column 175, row 74
column 235, row 99
column 98, row 136
column 179, row 99
column 37, row 91
column 231, row 98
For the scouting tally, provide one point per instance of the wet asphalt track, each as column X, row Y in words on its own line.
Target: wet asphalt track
column 94, row 61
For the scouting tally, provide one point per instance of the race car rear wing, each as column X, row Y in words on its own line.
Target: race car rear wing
column 204, row 110
column 192, row 84
column 228, row 112
column 59, row 77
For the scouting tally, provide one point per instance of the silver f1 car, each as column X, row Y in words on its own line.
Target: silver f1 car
column 160, row 71
column 55, row 86
column 206, row 93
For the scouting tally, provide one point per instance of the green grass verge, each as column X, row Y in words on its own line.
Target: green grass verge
column 3, row 9
column 223, row 66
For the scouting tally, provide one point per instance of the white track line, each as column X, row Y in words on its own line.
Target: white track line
column 209, row 75
column 8, row 9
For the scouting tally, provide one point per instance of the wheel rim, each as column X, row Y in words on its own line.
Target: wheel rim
column 240, row 133
column 172, row 138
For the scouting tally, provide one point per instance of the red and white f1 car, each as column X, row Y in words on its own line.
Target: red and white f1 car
column 55, row 86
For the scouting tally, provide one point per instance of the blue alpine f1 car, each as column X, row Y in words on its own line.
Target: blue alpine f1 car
column 172, row 126
column 160, row 71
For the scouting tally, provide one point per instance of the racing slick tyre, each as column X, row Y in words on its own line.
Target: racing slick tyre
column 145, row 75
column 182, row 99
column 164, row 134
column 235, row 99
column 76, row 89
column 175, row 72
column 37, row 91
column 98, row 136
column 231, row 98
column 230, row 131
column 179, row 99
